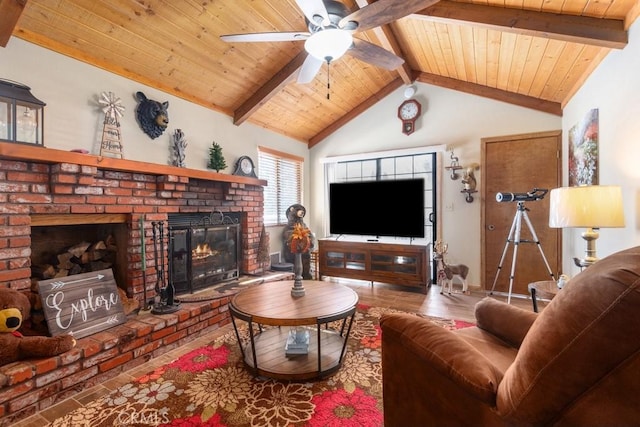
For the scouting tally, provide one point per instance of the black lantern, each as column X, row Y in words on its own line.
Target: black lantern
column 21, row 114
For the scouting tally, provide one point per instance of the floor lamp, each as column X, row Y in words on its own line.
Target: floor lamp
column 591, row 207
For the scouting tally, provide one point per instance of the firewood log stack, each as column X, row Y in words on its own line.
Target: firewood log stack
column 83, row 257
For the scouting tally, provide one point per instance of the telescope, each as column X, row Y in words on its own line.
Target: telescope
column 533, row 195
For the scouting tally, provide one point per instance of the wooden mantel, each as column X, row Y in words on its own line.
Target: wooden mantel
column 24, row 152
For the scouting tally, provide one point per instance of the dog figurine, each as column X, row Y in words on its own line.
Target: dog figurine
column 446, row 272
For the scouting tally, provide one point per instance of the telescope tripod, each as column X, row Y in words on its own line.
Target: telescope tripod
column 514, row 237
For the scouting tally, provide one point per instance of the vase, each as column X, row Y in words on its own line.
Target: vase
column 298, row 289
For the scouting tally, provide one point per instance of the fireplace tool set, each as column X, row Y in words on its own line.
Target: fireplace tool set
column 167, row 303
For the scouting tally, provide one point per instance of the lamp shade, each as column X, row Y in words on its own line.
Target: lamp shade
column 594, row 206
column 328, row 45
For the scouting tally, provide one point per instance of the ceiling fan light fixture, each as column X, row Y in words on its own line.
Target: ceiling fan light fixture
column 328, row 45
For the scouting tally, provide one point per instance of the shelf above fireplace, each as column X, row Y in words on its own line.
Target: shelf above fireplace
column 22, row 152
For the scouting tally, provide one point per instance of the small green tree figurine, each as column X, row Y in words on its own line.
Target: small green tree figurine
column 216, row 159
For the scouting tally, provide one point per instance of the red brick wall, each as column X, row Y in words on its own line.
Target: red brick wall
column 33, row 385
column 29, row 188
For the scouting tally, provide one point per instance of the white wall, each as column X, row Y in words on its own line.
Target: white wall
column 73, row 118
column 455, row 119
column 614, row 89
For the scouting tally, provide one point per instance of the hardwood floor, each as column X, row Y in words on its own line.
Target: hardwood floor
column 455, row 306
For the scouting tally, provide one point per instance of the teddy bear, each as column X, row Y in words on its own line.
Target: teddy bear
column 15, row 308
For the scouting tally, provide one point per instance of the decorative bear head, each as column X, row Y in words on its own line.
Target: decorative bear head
column 152, row 116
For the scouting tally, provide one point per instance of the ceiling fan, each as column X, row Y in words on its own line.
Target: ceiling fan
column 331, row 26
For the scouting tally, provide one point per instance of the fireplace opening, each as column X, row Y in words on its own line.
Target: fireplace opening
column 204, row 250
column 64, row 250
column 59, row 251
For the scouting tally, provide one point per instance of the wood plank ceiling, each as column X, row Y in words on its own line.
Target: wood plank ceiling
column 532, row 53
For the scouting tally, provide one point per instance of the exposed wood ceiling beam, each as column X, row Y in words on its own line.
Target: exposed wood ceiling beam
column 578, row 29
column 269, row 89
column 492, row 93
column 361, row 108
column 10, row 11
column 389, row 41
column 592, row 31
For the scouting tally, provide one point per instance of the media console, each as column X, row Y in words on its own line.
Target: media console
column 396, row 264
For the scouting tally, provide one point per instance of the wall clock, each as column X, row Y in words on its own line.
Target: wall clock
column 245, row 167
column 408, row 112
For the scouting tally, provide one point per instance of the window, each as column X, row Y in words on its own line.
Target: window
column 283, row 173
column 390, row 167
column 418, row 162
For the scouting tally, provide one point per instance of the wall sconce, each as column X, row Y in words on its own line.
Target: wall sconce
column 21, row 114
column 454, row 167
column 468, row 178
column 469, row 181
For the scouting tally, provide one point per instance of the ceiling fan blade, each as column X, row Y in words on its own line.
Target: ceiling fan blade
column 266, row 37
column 309, row 69
column 383, row 12
column 315, row 11
column 374, row 54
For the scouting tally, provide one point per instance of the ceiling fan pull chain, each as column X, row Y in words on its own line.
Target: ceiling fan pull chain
column 328, row 77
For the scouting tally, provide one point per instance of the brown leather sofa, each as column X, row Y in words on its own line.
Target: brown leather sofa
column 577, row 363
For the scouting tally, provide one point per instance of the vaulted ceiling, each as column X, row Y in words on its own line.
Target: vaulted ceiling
column 531, row 53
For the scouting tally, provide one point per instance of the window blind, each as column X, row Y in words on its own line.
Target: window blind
column 283, row 173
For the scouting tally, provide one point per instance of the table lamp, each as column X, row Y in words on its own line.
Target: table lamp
column 591, row 207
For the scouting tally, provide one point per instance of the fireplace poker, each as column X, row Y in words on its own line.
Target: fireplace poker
column 163, row 285
column 155, row 254
column 167, row 303
column 143, row 255
column 169, row 291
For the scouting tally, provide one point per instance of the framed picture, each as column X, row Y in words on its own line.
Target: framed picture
column 583, row 151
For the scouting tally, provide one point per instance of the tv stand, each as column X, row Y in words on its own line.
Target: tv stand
column 396, row 264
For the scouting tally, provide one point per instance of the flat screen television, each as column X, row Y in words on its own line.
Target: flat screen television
column 377, row 208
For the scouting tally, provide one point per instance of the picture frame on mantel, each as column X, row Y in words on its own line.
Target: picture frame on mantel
column 583, row 150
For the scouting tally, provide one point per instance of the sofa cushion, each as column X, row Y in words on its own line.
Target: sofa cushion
column 500, row 353
column 584, row 335
column 506, row 322
column 446, row 352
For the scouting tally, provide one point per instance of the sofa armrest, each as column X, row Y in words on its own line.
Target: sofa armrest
column 443, row 351
column 503, row 320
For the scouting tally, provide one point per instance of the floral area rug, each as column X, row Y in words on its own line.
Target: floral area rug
column 209, row 386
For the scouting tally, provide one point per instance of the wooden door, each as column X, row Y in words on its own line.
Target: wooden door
column 518, row 164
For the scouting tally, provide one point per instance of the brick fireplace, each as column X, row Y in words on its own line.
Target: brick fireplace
column 41, row 188
column 73, row 191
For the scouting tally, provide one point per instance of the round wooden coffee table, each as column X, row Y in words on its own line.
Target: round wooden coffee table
column 272, row 313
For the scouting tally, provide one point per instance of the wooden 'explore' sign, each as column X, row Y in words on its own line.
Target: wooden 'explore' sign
column 81, row 304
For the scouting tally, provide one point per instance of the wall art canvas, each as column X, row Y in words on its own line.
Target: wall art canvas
column 583, row 151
